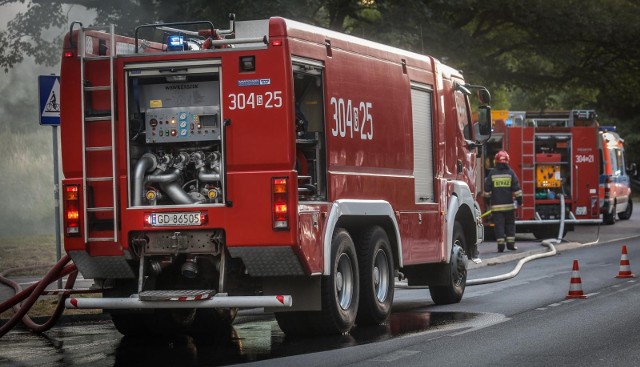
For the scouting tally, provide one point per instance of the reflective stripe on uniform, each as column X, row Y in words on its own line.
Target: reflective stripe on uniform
column 502, row 207
column 501, row 180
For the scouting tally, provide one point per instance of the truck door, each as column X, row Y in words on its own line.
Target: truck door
column 310, row 140
column 465, row 161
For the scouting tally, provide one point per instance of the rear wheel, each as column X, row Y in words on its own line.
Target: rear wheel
column 340, row 289
column 213, row 321
column 375, row 259
column 171, row 321
column 456, row 276
column 130, row 323
column 127, row 322
column 294, row 323
column 627, row 213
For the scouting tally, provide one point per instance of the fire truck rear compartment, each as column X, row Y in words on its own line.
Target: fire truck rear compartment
column 175, row 150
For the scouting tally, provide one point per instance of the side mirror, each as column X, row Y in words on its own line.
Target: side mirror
column 484, row 121
column 632, row 170
column 484, row 96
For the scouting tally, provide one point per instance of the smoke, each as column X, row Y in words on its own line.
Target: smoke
column 27, row 204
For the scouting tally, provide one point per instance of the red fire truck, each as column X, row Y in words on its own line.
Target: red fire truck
column 272, row 164
column 555, row 155
column 615, row 184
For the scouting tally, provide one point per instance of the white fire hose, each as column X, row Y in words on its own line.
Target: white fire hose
column 548, row 243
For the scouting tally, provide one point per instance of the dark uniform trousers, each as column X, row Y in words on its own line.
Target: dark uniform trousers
column 504, row 224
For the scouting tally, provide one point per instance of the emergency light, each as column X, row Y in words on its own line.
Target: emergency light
column 175, row 43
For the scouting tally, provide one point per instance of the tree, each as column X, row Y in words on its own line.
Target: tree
column 25, row 36
column 538, row 54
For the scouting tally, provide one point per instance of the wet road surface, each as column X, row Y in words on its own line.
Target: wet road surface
column 100, row 344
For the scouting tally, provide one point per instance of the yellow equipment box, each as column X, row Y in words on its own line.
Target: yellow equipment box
column 548, row 176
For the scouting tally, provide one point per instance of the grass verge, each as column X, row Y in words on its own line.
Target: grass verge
column 35, row 254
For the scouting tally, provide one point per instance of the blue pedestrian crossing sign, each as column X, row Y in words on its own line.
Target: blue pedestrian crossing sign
column 49, row 95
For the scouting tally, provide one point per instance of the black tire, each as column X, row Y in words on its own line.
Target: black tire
column 456, row 272
column 627, row 213
column 340, row 289
column 213, row 321
column 377, row 277
column 610, row 218
column 166, row 322
column 131, row 323
column 295, row 323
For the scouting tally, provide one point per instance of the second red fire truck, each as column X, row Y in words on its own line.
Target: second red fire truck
column 272, row 164
column 555, row 156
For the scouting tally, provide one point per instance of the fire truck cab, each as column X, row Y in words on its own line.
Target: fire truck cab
column 555, row 156
column 615, row 184
column 272, row 164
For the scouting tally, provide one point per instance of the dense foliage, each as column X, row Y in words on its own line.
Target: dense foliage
column 534, row 54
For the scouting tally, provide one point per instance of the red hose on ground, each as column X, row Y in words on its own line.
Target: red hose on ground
column 33, row 293
column 23, row 294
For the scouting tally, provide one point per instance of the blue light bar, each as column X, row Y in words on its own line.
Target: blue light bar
column 175, row 43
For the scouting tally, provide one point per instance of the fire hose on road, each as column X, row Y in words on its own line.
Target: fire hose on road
column 548, row 243
column 516, row 270
column 25, row 299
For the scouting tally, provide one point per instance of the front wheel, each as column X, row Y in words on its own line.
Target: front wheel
column 610, row 218
column 626, row 214
column 456, row 276
column 377, row 279
column 339, row 289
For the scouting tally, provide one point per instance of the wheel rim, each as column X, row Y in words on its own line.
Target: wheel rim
column 380, row 275
column 459, row 267
column 344, row 282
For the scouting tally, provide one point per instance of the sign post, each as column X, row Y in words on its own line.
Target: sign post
column 49, row 112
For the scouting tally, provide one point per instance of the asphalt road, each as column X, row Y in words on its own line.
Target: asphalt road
column 525, row 320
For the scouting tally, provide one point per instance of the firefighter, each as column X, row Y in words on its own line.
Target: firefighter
column 500, row 187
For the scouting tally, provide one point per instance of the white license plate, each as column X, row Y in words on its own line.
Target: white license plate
column 175, row 219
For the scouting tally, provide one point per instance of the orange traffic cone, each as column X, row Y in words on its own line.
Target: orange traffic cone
column 625, row 268
column 575, row 287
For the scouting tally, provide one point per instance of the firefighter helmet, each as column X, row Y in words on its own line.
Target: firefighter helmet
column 502, row 157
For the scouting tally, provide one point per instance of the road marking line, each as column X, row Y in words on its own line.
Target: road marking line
column 395, row 356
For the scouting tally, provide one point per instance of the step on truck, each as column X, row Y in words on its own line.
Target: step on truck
column 271, row 165
column 555, row 156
